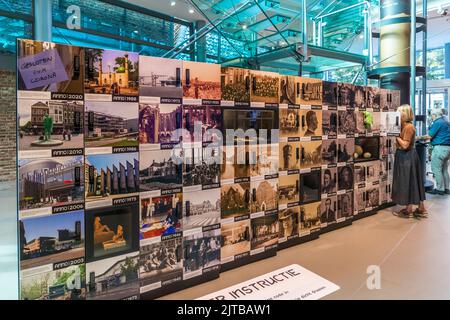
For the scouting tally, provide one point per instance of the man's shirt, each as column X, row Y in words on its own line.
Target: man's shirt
column 440, row 132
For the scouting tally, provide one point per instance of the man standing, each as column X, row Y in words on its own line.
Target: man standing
column 439, row 135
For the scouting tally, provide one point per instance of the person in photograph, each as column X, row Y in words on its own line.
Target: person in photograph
column 329, row 185
column 345, row 178
column 328, row 215
column 343, row 154
column 407, row 186
column 287, row 220
column 311, row 123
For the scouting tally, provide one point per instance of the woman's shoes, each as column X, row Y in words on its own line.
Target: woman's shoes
column 420, row 214
column 403, row 213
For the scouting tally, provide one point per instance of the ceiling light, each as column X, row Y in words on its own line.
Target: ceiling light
column 361, row 36
column 136, row 31
column 244, row 26
column 172, row 3
column 191, row 11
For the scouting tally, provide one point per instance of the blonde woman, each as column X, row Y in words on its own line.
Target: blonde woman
column 407, row 186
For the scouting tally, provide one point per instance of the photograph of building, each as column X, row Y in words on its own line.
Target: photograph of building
column 346, row 149
column 160, row 262
column 111, row 124
column 235, row 84
column 50, row 182
column 62, row 284
column 330, row 93
column 359, row 173
column 310, row 92
column 346, row 95
column 289, row 122
column 288, row 90
column 359, row 200
column 235, row 239
column 201, row 166
column 347, row 122
column 329, row 123
column 49, row 239
column 201, row 251
column 345, row 177
column 113, row 278
column 110, row 175
column 289, row 222
column 288, row 189
column 359, row 97
column 345, row 205
column 264, row 86
column 235, row 162
column 263, row 159
column 201, row 208
column 64, row 118
column 235, row 200
column 47, row 66
column 160, row 215
column 372, row 97
column 309, row 217
column 201, row 80
column 264, row 231
column 160, row 77
column 328, row 210
column 158, row 122
column 111, row 72
column 159, row 170
column 264, row 195
column 388, row 146
column 310, row 154
column 390, row 122
column 372, row 170
column 111, row 231
column 329, row 180
column 329, row 151
column 289, row 156
column 310, row 187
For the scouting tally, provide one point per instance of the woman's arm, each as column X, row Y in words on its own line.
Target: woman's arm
column 405, row 142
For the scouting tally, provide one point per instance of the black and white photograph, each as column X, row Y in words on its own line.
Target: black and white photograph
column 390, row 122
column 288, row 220
column 201, row 208
column 330, row 93
column 264, row 86
column 235, row 84
column 329, row 123
column 360, row 200
column 263, row 159
column 288, row 89
column 288, row 189
column 310, row 91
column 329, row 152
column 373, row 197
column 264, row 231
column 160, row 262
column 235, row 200
column 235, row 162
column 345, row 177
column 310, row 123
column 346, row 95
column 328, row 210
column 359, row 173
column 264, row 195
column 310, row 154
column 235, row 239
column 372, row 97
column 289, row 156
column 205, row 118
column 159, row 170
column 345, row 205
column 309, row 217
column 310, row 187
column 289, row 122
column 201, row 251
column 372, row 170
column 347, row 122
column 345, row 150
column 359, row 97
column 329, row 180
column 201, row 166
column 160, row 77
column 158, row 123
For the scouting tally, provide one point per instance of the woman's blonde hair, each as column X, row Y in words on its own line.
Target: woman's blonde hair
column 406, row 112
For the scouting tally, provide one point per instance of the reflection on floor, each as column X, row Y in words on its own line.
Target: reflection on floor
column 413, row 256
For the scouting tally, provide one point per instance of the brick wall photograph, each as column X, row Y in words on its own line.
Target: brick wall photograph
column 7, row 126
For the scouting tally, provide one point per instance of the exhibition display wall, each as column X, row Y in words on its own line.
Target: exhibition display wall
column 131, row 186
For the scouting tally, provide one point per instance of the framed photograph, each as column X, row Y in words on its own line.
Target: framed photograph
column 60, row 284
column 111, row 124
column 49, row 239
column 289, row 122
column 289, row 156
column 112, row 231
column 109, row 176
column 329, row 123
column 346, row 150
column 264, row 231
column 311, row 154
column 235, row 84
column 345, row 205
column 160, row 262
column 113, row 278
column 235, row 239
column 288, row 189
column 50, row 124
column 310, row 91
column 158, row 123
column 111, row 72
column 50, row 182
column 160, row 77
column 329, row 152
column 288, row 90
column 310, row 187
column 310, row 123
column 235, row 200
column 289, row 222
column 328, row 210
column 201, row 208
column 329, row 94
column 201, row 251
column 329, row 180
column 345, row 177
column 201, row 80
column 264, row 86
column 264, row 195
column 51, row 67
column 309, row 217
column 159, row 170
column 160, row 215
column 347, row 122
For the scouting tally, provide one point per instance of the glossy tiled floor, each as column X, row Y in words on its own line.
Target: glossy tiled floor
column 413, row 255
